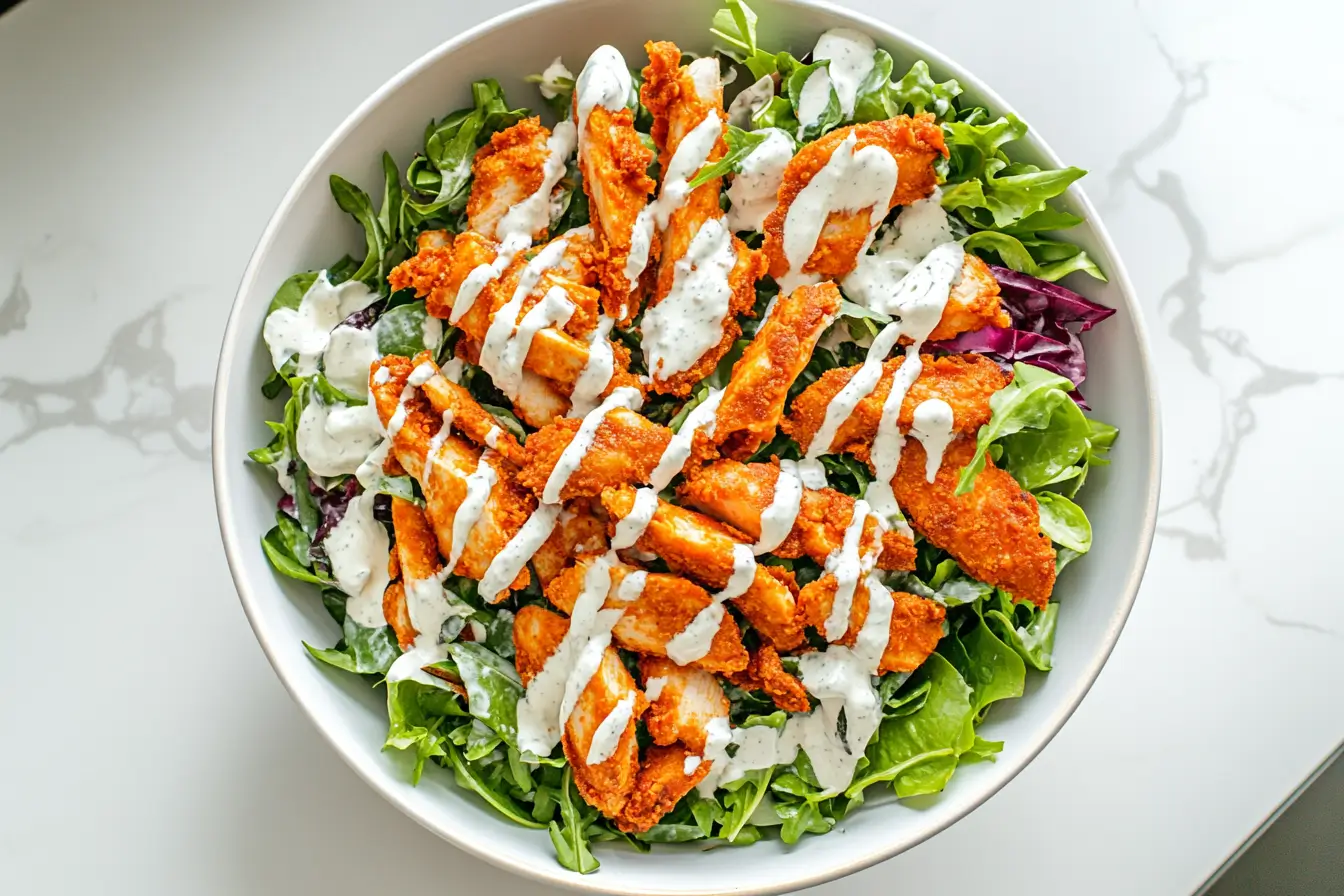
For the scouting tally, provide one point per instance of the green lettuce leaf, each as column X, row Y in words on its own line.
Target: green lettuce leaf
column 1027, row 629
column 830, row 117
column 366, row 651
column 734, row 26
column 416, row 712
column 1029, row 402
column 1065, row 522
column 571, row 839
column 740, row 801
column 493, row 688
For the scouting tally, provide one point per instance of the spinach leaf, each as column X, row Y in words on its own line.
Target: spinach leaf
column 402, row 487
column 672, row 833
column 571, row 840
column 367, row 651
column 288, row 547
column 918, row 752
column 493, row 688
column 1030, row 401
column 801, row 817
column 407, row 330
column 1065, row 522
column 291, row 292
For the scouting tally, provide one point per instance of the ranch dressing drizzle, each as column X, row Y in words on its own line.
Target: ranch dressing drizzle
column 847, row 566
column 502, row 351
column 812, row 473
column 608, row 734
column 553, row 692
column 358, row 548
column 678, row 451
column 851, row 54
column 751, row 100
column 551, row 77
column 492, row 436
column 754, row 191
column 520, row 222
column 654, row 687
column 604, row 81
column 572, row 456
column 632, row 525
column 506, row 565
column 932, row 425
column 597, row 370
column 694, row 641
column 689, row 320
column 920, row 228
column 632, row 586
column 303, row 333
column 691, row 154
column 777, row 520
column 429, row 606
column 850, row 181
column 469, row 511
column 436, row 444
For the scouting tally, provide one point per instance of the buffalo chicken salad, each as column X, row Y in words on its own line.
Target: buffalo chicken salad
column 699, row 464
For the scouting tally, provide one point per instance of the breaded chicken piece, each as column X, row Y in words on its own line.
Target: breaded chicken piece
column 965, row 382
column 417, row 553
column 397, row 615
column 453, row 402
column 655, row 614
column 581, row 529
column 661, row 783
column 506, row 171
column 737, row 494
column 680, row 98
column 626, row 449
column 753, row 400
column 537, row 634
column 539, row 401
column 614, row 163
column 916, row 622
column 914, row 142
column 685, row 701
column 973, row 302
column 444, row 482
column 993, row 531
column 702, row 549
column 766, row 673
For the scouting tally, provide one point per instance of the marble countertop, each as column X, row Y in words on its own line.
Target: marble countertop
column 145, row 143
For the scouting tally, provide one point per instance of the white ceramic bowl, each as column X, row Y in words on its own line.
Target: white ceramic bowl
column 308, row 231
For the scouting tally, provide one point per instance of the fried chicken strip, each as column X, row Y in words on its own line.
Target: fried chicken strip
column 606, row 786
column 993, row 531
column 753, row 400
column 581, row 529
column 916, row 622
column 965, row 382
column 626, row 449
column 738, row 494
column 661, row 783
column 766, row 673
column 538, row 402
column 683, row 701
column 506, row 171
column 914, row 142
column 417, row 551
column 654, row 613
column 464, row 413
column 703, row 549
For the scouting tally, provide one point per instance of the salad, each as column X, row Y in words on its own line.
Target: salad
column 700, row 464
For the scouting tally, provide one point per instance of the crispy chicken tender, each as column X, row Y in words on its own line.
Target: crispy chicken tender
column 539, row 401
column 766, row 673
column 965, row 382
column 916, row 622
column 701, row 548
column 417, row 557
column 397, row 615
column 626, row 449
column 614, row 163
column 993, row 531
column 506, row 171
column 537, row 634
column 661, row 783
column 581, row 529
column 444, row 482
column 753, row 400
column 973, row 302
column 686, row 700
column 453, row 402
column 737, row 494
column 662, row 610
column 914, row 142
column 672, row 93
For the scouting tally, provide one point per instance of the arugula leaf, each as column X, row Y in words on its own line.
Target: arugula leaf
column 918, row 752
column 801, row 817
column 740, row 145
column 672, row 833
column 741, row 800
column 493, row 688
column 735, row 26
column 366, row 651
column 571, row 840
column 831, row 116
column 469, row 777
column 1065, row 522
column 778, row 113
column 356, row 203
column 402, row 487
column 415, row 712
column 1028, row 402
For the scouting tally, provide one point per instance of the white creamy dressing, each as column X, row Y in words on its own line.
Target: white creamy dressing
column 632, row 586
column 754, row 192
column 507, row 341
column 479, row 484
column 932, row 425
column 553, row 692
column 515, row 230
column 570, row 459
column 334, row 440
column 778, row 518
column 678, row 450
column 381, row 376
column 847, row 566
column 358, row 548
column 841, row 678
column 851, row 58
column 850, row 181
column 349, row 355
column 704, row 74
column 551, row 76
column 597, row 370
column 608, row 734
column 304, row 333
column 920, row 228
column 694, row 641
column 492, row 436
column 691, row 155
column 282, row 475
column 506, row 565
column 813, row 100
column 632, row 525
column 689, row 320
column 812, row 472
column 744, row 573
column 654, row 687
column 751, row 100
column 429, row 607
column 605, row 82
column 859, row 387
column 436, row 444
column 690, row 764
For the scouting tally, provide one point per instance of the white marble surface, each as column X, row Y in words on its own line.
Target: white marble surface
column 143, row 145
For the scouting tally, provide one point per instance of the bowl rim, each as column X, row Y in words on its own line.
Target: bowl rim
column 222, row 467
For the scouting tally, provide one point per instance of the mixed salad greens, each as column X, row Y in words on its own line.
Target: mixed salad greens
column 1039, row 432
